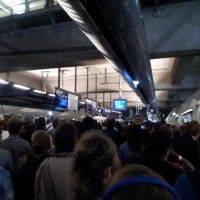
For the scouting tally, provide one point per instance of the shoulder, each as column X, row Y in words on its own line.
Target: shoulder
column 4, row 152
column 4, row 175
column 23, row 141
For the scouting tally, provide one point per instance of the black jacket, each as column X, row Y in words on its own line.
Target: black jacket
column 188, row 148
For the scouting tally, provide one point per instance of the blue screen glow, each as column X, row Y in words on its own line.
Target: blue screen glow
column 120, row 104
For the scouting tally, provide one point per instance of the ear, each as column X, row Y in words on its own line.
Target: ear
column 108, row 175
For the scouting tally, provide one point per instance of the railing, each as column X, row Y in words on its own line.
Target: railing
column 15, row 7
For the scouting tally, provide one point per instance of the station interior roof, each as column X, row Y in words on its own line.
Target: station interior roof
column 35, row 41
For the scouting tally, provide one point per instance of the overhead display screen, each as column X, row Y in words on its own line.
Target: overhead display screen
column 65, row 100
column 120, row 104
column 72, row 102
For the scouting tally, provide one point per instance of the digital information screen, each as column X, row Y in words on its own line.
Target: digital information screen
column 72, row 102
column 65, row 100
column 120, row 104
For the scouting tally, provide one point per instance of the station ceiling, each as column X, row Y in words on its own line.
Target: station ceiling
column 45, row 38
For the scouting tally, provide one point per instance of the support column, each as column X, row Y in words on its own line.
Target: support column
column 110, row 100
column 44, row 80
column 103, row 98
column 96, row 87
column 62, row 78
column 75, row 78
column 87, row 82
column 59, row 77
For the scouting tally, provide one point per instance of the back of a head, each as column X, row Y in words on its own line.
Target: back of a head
column 88, row 123
column 65, row 137
column 110, row 123
column 94, row 154
column 14, row 126
column 41, row 123
column 80, row 128
column 193, row 128
column 139, row 191
column 160, row 144
column 41, row 142
column 55, row 123
column 166, row 129
column 135, row 137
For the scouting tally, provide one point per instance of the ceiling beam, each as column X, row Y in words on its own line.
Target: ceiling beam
column 51, row 60
column 181, row 66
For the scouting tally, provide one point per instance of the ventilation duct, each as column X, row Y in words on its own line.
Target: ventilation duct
column 116, row 28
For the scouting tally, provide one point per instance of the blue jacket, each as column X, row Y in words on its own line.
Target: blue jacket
column 6, row 186
column 186, row 188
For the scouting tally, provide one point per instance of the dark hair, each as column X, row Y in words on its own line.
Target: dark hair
column 193, row 128
column 80, row 128
column 142, row 191
column 65, row 137
column 135, row 138
column 14, row 126
column 159, row 144
column 93, row 155
column 41, row 142
column 110, row 123
column 97, row 126
column 88, row 123
column 55, row 123
column 40, row 123
column 166, row 129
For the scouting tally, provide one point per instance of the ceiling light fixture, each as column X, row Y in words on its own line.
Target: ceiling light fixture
column 39, row 91
column 3, row 82
column 52, row 95
column 136, row 83
column 187, row 111
column 22, row 87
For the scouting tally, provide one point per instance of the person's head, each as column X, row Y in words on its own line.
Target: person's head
column 138, row 191
column 177, row 131
column 24, row 127
column 14, row 126
column 94, row 162
column 97, row 126
column 55, row 123
column 193, row 129
column 65, row 137
column 136, row 138
column 166, row 129
column 41, row 142
column 88, row 123
column 160, row 145
column 80, row 128
column 41, row 123
column 110, row 123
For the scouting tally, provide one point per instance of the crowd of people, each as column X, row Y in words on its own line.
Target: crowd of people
column 75, row 160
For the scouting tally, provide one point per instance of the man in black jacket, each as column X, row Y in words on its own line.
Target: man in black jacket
column 187, row 144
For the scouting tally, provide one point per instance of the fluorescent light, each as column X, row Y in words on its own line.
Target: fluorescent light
column 3, row 82
column 52, row 95
column 50, row 113
column 39, row 91
column 136, row 83
column 187, row 111
column 21, row 87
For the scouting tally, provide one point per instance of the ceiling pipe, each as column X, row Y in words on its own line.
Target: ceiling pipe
column 116, row 28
